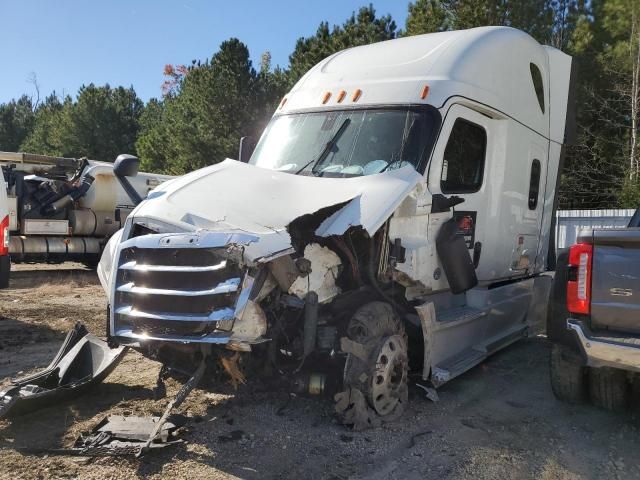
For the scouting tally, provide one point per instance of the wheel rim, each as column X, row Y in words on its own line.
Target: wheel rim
column 390, row 375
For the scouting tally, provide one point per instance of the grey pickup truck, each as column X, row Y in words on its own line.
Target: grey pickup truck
column 593, row 318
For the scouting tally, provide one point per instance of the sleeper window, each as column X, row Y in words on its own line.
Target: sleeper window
column 463, row 164
column 538, row 84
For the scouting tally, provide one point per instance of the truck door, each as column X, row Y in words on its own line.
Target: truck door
column 459, row 166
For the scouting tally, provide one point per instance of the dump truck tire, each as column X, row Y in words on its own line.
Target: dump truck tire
column 608, row 388
column 568, row 375
column 375, row 373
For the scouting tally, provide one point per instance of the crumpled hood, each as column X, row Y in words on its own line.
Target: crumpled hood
column 239, row 197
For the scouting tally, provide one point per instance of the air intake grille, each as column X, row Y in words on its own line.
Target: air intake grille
column 175, row 293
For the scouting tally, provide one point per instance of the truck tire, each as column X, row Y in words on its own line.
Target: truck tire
column 376, row 369
column 5, row 271
column 568, row 375
column 608, row 388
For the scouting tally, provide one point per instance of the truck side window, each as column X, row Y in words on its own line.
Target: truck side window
column 463, row 164
column 538, row 84
column 534, row 184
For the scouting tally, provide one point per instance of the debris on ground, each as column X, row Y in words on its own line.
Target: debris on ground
column 82, row 361
column 118, row 435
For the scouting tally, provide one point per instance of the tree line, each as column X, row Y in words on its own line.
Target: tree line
column 208, row 105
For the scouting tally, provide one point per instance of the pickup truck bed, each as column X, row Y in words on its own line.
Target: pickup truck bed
column 594, row 318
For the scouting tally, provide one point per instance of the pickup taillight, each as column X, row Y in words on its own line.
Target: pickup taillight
column 579, row 284
column 4, row 236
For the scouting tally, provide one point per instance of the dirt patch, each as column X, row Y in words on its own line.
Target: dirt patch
column 498, row 421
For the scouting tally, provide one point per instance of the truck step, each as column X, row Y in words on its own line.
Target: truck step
column 457, row 365
column 459, row 314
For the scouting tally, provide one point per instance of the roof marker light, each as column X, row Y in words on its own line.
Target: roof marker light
column 356, row 95
column 341, row 96
column 425, row 92
column 326, row 97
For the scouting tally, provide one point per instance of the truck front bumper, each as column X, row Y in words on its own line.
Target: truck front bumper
column 606, row 350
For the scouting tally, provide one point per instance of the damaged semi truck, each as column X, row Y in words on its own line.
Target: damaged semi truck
column 394, row 217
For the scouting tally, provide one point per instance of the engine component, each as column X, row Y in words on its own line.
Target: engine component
column 326, row 337
column 60, row 204
column 310, row 322
column 310, row 383
column 325, row 267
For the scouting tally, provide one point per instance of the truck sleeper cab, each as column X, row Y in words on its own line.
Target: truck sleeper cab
column 395, row 214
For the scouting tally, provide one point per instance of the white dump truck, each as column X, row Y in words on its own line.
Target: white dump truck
column 55, row 209
column 393, row 219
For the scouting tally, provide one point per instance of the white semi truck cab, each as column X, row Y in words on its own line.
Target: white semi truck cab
column 394, row 215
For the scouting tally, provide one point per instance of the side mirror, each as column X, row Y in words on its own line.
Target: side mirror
column 440, row 203
column 127, row 166
column 247, row 146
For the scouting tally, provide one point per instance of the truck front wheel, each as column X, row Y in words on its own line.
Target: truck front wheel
column 375, row 373
column 608, row 388
column 568, row 375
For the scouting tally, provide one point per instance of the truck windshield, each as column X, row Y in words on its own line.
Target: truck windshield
column 346, row 143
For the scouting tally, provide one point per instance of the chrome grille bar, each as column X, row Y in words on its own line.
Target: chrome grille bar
column 215, row 316
column 135, row 266
column 130, row 337
column 228, row 286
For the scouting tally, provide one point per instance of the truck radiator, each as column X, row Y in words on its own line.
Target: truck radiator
column 176, row 294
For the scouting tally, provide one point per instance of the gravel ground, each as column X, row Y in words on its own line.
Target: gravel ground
column 498, row 421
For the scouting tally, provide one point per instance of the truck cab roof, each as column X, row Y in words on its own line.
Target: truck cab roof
column 501, row 67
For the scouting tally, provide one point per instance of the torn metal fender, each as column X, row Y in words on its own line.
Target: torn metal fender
column 82, row 361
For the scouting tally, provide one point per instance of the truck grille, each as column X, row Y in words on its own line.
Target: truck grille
column 187, row 294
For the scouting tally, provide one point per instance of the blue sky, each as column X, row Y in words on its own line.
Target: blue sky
column 68, row 43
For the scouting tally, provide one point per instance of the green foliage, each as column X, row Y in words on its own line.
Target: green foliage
column 629, row 195
column 360, row 29
column 44, row 138
column 546, row 20
column 101, row 124
column 216, row 103
column 427, row 16
column 16, row 121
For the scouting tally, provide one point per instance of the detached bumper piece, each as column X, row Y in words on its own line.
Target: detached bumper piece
column 606, row 349
column 82, row 361
column 120, row 436
column 183, row 288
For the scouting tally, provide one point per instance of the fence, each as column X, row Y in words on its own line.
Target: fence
column 570, row 222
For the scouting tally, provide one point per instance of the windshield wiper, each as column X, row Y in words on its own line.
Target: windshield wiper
column 327, row 148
